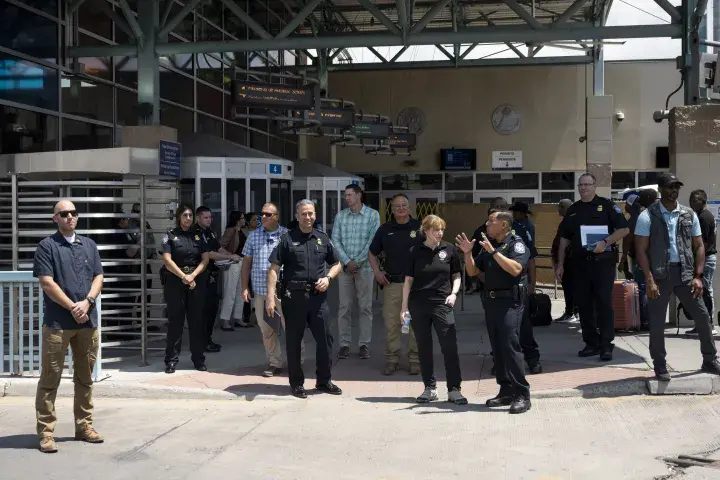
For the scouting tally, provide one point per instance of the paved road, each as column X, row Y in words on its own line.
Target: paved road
column 365, row 438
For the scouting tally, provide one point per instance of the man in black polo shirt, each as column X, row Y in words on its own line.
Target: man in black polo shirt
column 71, row 276
column 395, row 238
column 698, row 202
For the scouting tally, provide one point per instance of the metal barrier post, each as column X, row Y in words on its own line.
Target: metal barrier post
column 143, row 276
column 97, row 374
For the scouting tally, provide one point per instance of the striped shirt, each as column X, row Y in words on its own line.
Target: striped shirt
column 353, row 233
column 259, row 246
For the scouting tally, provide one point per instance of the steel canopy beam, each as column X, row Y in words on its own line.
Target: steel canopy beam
column 571, row 10
column 492, row 24
column 247, row 20
column 670, row 9
column 428, row 17
column 382, row 18
column 483, row 62
column 132, row 21
column 522, row 13
column 299, row 18
column 402, row 15
column 175, row 21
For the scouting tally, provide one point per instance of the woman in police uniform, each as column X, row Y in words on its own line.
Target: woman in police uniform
column 186, row 257
column 432, row 283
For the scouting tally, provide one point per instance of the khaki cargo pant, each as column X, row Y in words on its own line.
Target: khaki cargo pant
column 84, row 345
column 270, row 336
column 392, row 301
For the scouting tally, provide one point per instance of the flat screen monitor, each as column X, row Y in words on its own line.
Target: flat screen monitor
column 458, row 159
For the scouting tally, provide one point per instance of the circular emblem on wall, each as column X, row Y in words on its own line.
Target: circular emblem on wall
column 506, row 119
column 413, row 118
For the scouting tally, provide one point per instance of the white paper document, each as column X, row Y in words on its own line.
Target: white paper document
column 590, row 234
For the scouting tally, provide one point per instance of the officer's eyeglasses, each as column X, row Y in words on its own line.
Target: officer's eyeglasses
column 581, row 185
column 65, row 213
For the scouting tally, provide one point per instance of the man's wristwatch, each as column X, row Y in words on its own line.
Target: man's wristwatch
column 330, row 279
column 493, row 252
column 91, row 301
column 698, row 275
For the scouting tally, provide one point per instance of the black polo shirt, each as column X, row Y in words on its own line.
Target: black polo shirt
column 707, row 227
column 496, row 278
column 304, row 256
column 185, row 246
column 73, row 267
column 598, row 211
column 396, row 239
column 432, row 270
column 213, row 245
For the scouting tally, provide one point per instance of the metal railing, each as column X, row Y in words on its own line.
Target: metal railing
column 22, row 307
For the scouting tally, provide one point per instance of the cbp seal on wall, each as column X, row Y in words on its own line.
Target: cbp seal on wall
column 413, row 118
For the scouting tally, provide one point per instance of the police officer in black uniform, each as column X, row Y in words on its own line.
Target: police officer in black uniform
column 529, row 346
column 503, row 261
column 594, row 264
column 204, row 219
column 185, row 256
column 303, row 254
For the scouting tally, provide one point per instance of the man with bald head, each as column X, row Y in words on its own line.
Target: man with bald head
column 70, row 272
column 567, row 281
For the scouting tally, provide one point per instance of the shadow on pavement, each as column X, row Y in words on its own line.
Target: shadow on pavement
column 439, row 406
column 26, row 442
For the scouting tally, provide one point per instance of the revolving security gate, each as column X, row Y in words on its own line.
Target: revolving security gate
column 124, row 206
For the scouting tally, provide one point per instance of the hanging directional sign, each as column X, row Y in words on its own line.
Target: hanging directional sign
column 403, row 140
column 376, row 131
column 273, row 95
column 330, row 117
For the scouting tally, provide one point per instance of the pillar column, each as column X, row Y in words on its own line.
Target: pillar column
column 599, row 113
column 148, row 66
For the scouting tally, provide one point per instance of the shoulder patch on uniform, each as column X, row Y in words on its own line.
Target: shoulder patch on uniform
column 617, row 209
column 166, row 238
column 519, row 247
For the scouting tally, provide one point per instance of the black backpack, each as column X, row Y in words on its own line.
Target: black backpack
column 540, row 306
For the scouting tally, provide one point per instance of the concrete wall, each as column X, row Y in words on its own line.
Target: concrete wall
column 458, row 104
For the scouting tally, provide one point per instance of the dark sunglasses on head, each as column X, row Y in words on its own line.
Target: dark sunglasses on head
column 267, row 214
column 65, row 213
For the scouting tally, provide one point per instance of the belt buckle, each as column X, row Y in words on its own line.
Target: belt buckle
column 186, row 269
column 308, row 287
column 491, row 294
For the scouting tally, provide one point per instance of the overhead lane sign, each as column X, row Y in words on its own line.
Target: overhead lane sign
column 273, row 95
column 330, row 117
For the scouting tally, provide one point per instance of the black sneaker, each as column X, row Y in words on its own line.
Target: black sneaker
column 500, row 401
column 712, row 366
column 606, row 356
column 344, row 352
column 328, row 387
column 534, row 368
column 201, row 367
column 364, row 352
column 170, row 368
column 589, row 352
column 298, row 392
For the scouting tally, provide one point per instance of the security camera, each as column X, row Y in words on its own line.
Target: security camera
column 660, row 115
column 619, row 116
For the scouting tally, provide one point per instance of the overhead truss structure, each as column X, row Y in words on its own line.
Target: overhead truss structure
column 454, row 27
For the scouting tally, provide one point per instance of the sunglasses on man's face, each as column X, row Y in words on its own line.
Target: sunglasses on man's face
column 267, row 214
column 65, row 213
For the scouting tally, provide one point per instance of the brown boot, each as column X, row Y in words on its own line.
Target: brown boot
column 390, row 368
column 48, row 445
column 414, row 369
column 89, row 435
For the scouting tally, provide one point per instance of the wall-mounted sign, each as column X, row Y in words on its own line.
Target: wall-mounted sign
column 402, row 140
column 275, row 169
column 169, row 155
column 376, row 131
column 272, row 95
column 507, row 160
column 330, row 117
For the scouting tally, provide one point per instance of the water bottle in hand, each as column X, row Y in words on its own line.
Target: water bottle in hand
column 405, row 329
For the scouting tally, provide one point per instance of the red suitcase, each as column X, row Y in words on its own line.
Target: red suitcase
column 626, row 305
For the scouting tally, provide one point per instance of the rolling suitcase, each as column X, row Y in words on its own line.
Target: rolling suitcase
column 626, row 305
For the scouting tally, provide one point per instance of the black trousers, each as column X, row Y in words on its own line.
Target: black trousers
column 593, row 295
column 504, row 317
column 303, row 310
column 528, row 345
column 568, row 286
column 212, row 302
column 427, row 314
column 184, row 303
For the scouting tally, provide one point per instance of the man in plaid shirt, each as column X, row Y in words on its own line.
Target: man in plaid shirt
column 352, row 233
column 256, row 252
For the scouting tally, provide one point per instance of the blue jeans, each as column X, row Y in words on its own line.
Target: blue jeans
column 639, row 277
column 708, row 274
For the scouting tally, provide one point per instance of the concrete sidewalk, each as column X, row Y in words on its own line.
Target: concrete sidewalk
column 236, row 371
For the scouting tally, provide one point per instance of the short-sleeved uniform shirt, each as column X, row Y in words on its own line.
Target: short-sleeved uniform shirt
column 496, row 278
column 213, row 245
column 304, row 256
column 517, row 228
column 642, row 228
column 185, row 246
column 598, row 211
column 73, row 267
column 432, row 270
column 396, row 239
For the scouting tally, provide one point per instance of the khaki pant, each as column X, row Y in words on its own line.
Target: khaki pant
column 84, row 345
column 392, row 301
column 358, row 286
column 270, row 336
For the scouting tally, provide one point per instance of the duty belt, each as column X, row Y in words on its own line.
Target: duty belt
column 514, row 293
column 188, row 268
column 396, row 278
column 302, row 285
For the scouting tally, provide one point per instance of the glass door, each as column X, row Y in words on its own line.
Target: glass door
column 422, row 203
column 511, row 196
column 280, row 196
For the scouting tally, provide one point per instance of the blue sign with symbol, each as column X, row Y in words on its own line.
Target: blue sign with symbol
column 275, row 168
column 169, row 155
column 355, row 182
